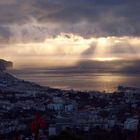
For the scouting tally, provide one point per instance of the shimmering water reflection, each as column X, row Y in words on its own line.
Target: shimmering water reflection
column 79, row 81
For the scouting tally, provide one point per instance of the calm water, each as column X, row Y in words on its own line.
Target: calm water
column 80, row 81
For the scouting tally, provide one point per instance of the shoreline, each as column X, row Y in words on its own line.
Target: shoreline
column 119, row 87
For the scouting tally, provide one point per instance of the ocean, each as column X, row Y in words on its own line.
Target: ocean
column 107, row 82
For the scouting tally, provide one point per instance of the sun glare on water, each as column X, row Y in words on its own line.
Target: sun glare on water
column 106, row 59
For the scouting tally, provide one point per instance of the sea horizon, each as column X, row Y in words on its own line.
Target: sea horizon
column 76, row 80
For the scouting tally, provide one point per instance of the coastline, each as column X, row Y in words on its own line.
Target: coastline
column 103, row 82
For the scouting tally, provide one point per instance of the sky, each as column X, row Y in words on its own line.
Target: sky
column 62, row 32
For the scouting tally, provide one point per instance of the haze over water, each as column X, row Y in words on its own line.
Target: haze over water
column 100, row 81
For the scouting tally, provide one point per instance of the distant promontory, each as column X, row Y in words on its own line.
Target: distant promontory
column 5, row 64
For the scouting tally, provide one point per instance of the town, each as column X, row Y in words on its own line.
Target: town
column 79, row 111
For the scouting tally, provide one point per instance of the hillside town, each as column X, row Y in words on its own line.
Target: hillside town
column 79, row 111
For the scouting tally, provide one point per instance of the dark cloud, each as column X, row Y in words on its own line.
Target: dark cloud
column 90, row 51
column 5, row 34
column 123, row 48
column 83, row 17
column 111, row 17
column 90, row 66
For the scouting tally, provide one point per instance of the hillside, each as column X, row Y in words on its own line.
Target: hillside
column 10, row 83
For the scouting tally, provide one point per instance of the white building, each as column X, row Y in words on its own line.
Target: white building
column 52, row 130
column 55, row 106
column 69, row 107
column 131, row 124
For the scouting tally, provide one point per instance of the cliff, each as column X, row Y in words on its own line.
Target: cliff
column 5, row 64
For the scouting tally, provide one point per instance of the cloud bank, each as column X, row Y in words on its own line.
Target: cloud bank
column 70, row 29
column 34, row 20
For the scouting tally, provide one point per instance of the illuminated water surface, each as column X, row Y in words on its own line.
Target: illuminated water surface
column 79, row 81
